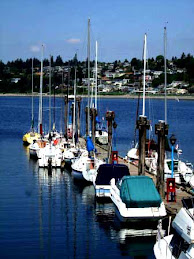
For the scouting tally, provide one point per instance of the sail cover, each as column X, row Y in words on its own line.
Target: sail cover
column 89, row 144
column 97, row 119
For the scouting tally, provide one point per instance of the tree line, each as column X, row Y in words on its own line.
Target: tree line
column 22, row 69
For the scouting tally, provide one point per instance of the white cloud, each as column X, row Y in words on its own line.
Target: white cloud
column 35, row 48
column 73, row 41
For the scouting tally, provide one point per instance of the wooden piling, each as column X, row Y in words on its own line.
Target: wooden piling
column 66, row 114
column 110, row 116
column 86, row 112
column 93, row 114
column 78, row 114
column 142, row 124
column 161, row 129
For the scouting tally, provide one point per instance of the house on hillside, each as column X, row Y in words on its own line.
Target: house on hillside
column 15, row 80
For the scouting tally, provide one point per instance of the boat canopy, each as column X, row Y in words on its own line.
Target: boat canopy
column 139, row 192
column 108, row 171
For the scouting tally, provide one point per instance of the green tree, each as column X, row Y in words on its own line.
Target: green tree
column 59, row 61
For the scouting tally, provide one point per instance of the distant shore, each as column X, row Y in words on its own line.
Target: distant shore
column 126, row 96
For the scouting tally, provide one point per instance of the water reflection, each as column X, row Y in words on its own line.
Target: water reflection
column 69, row 212
column 132, row 239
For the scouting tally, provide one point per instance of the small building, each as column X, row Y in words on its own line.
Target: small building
column 15, row 80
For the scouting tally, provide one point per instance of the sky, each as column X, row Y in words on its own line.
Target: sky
column 118, row 26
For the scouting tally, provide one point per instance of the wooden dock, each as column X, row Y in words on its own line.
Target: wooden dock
column 181, row 192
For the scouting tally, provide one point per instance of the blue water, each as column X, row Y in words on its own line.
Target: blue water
column 55, row 217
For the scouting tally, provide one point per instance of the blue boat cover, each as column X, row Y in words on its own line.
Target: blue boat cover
column 89, row 144
column 139, row 192
column 97, row 119
column 108, row 171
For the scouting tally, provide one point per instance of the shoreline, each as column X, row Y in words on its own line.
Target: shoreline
column 127, row 96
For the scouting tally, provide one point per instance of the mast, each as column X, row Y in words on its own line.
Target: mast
column 55, row 87
column 165, row 75
column 50, row 94
column 74, row 107
column 32, row 123
column 144, row 73
column 40, row 97
column 96, row 90
column 89, row 76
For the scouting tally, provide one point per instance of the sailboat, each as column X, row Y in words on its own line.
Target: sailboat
column 39, row 142
column 182, row 171
column 29, row 137
column 51, row 155
column 86, row 166
column 133, row 153
column 71, row 150
column 101, row 134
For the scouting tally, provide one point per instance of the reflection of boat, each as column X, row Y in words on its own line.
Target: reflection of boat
column 105, row 173
column 181, row 243
column 136, row 198
column 137, row 246
column 55, row 176
column 132, row 239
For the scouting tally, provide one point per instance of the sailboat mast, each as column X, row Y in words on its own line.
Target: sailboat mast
column 40, row 97
column 96, row 62
column 144, row 73
column 88, row 76
column 74, row 107
column 50, row 94
column 165, row 75
column 32, row 124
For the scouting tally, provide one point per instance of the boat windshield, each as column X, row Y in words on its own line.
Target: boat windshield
column 169, row 163
column 169, row 155
column 188, row 204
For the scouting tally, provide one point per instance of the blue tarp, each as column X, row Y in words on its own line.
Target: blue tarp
column 89, row 144
column 139, row 192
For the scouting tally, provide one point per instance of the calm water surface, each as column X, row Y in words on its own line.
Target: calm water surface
column 55, row 217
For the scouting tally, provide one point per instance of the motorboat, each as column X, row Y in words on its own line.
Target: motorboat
column 101, row 137
column 136, row 199
column 182, row 171
column 105, row 173
column 180, row 244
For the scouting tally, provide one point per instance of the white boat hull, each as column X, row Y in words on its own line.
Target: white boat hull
column 134, row 214
column 77, row 174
